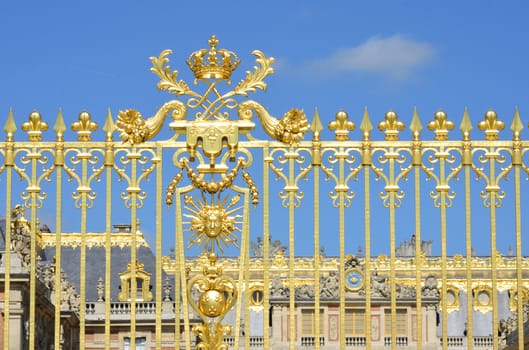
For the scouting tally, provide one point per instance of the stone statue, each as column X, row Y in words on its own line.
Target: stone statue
column 379, row 286
column 277, row 290
column 407, row 248
column 430, row 288
column 305, row 292
column 21, row 235
column 330, row 285
column 274, row 247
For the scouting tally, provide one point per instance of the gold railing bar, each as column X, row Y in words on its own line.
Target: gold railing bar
column 266, row 247
column 108, row 254
column 393, row 285
column 58, row 257
column 159, row 235
column 418, row 258
column 291, row 257
column 468, row 246
column 7, row 275
column 518, row 230
column 316, row 222
column 341, row 230
column 33, row 250
column 443, row 216
column 133, row 156
column 82, row 263
column 367, row 263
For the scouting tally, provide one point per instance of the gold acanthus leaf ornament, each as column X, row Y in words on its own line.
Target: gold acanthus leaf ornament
column 254, row 80
column 168, row 80
column 134, row 129
column 289, row 129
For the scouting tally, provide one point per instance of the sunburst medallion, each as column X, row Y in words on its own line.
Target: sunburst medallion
column 213, row 223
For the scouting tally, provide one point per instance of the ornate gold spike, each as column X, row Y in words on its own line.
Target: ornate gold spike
column 342, row 125
column 84, row 126
column 316, row 126
column 10, row 127
column 415, row 126
column 391, row 125
column 466, row 125
column 59, row 127
column 491, row 125
column 213, row 63
column 35, row 126
column 109, row 126
column 441, row 125
column 516, row 125
column 366, row 126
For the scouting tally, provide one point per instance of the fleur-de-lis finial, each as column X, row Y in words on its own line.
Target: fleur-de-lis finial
column 341, row 126
column 35, row 126
column 391, row 125
column 440, row 125
column 491, row 125
column 84, row 126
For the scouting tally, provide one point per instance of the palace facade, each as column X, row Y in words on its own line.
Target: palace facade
column 305, row 330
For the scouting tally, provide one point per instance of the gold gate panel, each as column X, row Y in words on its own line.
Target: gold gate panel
column 215, row 189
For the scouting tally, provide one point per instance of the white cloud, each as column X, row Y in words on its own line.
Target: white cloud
column 394, row 56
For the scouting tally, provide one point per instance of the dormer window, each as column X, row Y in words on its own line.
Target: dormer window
column 142, row 283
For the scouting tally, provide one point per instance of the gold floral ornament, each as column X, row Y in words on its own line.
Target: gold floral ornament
column 84, row 126
column 392, row 126
column 290, row 129
column 441, row 125
column 213, row 224
column 491, row 125
column 341, row 126
column 35, row 126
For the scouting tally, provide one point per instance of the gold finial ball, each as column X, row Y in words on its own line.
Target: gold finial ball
column 490, row 114
column 34, row 115
column 84, row 115
column 391, row 115
column 440, row 114
column 342, row 115
column 212, row 303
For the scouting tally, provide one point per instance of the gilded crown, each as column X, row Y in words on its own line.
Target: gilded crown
column 213, row 63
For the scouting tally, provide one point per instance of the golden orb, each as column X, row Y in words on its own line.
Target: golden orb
column 491, row 114
column 212, row 303
column 440, row 114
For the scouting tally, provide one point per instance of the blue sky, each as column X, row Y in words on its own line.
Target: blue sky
column 330, row 55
